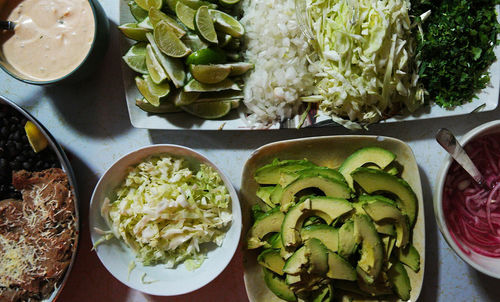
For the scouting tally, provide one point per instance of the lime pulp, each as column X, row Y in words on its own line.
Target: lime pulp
column 136, row 57
column 204, row 25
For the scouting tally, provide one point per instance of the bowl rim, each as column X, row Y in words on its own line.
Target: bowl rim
column 438, row 199
column 235, row 210
column 66, row 167
column 48, row 82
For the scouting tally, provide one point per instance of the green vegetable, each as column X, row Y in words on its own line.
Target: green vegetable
column 164, row 210
column 456, row 47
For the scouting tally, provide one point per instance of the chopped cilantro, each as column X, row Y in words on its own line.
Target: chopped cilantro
column 456, row 48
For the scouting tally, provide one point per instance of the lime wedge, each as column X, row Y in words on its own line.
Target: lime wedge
column 208, row 110
column 168, row 42
column 147, row 4
column 194, row 42
column 226, row 23
column 204, row 25
column 207, row 56
column 229, row 2
column 136, row 57
column 173, row 67
column 156, row 71
column 159, row 90
column 195, row 86
column 143, row 88
column 185, row 14
column 137, row 12
column 185, row 98
column 225, row 95
column 37, row 140
column 134, row 32
column 239, row 68
column 156, row 15
column 195, row 4
column 146, row 23
column 164, row 107
column 210, row 74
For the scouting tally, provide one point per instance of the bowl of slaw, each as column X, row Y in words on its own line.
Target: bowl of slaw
column 165, row 220
column 466, row 214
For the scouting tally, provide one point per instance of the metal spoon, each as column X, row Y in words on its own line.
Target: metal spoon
column 448, row 141
column 7, row 25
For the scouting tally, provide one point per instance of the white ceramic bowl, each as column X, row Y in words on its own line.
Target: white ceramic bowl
column 116, row 256
column 487, row 265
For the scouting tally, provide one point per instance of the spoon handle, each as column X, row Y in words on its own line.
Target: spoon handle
column 448, row 141
column 7, row 25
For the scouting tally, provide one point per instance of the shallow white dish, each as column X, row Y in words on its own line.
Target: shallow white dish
column 487, row 265
column 116, row 256
column 181, row 121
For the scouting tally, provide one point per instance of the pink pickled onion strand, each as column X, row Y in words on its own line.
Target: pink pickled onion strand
column 473, row 213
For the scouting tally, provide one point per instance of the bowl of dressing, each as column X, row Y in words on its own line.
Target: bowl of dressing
column 53, row 40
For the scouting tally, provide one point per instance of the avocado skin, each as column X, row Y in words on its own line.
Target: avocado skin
column 278, row 286
column 400, row 281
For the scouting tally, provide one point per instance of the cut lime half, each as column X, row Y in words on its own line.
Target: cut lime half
column 209, row 111
column 226, row 23
column 185, row 14
column 168, row 42
column 147, row 4
column 156, row 15
column 134, row 32
column 210, row 74
column 204, row 25
column 136, row 58
column 156, row 71
column 196, row 86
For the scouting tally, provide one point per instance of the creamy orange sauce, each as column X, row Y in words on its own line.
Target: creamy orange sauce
column 51, row 37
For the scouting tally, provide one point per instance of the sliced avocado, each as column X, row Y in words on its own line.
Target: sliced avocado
column 381, row 211
column 382, row 227
column 308, row 283
column 298, row 262
column 278, row 286
column 400, row 281
column 288, row 177
column 372, row 253
column 347, row 240
column 375, row 155
column 322, row 171
column 328, row 235
column 270, row 174
column 394, row 168
column 325, row 207
column 388, row 242
column 410, row 256
column 380, row 287
column 330, row 187
column 385, row 228
column 272, row 260
column 273, row 241
column 269, row 222
column 374, row 181
column 313, row 220
column 318, row 258
column 292, row 279
column 264, row 193
column 369, row 198
column 348, row 286
column 339, row 268
column 276, row 194
column 257, row 212
column 324, row 294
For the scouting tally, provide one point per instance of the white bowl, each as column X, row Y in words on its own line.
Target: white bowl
column 487, row 265
column 116, row 256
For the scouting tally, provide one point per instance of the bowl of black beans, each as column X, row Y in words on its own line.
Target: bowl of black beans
column 16, row 152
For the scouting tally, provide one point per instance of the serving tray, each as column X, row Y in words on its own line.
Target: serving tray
column 328, row 151
column 487, row 100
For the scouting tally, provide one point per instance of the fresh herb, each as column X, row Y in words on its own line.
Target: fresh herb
column 456, row 48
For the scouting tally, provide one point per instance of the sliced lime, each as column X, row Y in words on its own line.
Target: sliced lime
column 136, row 57
column 137, row 12
column 168, row 42
column 156, row 15
column 207, row 56
column 208, row 110
column 143, row 87
column 219, row 96
column 171, row 4
column 210, row 74
column 185, row 14
column 164, row 107
column 173, row 67
column 159, row 90
column 226, row 23
column 239, row 68
column 194, row 42
column 146, row 23
column 195, row 4
column 229, row 2
column 195, row 86
column 36, row 139
column 204, row 25
column 185, row 98
column 147, row 4
column 156, row 71
column 134, row 32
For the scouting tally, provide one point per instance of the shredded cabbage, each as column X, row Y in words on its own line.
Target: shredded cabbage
column 365, row 68
column 164, row 211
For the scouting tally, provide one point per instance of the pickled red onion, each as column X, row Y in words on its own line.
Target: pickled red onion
column 472, row 213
